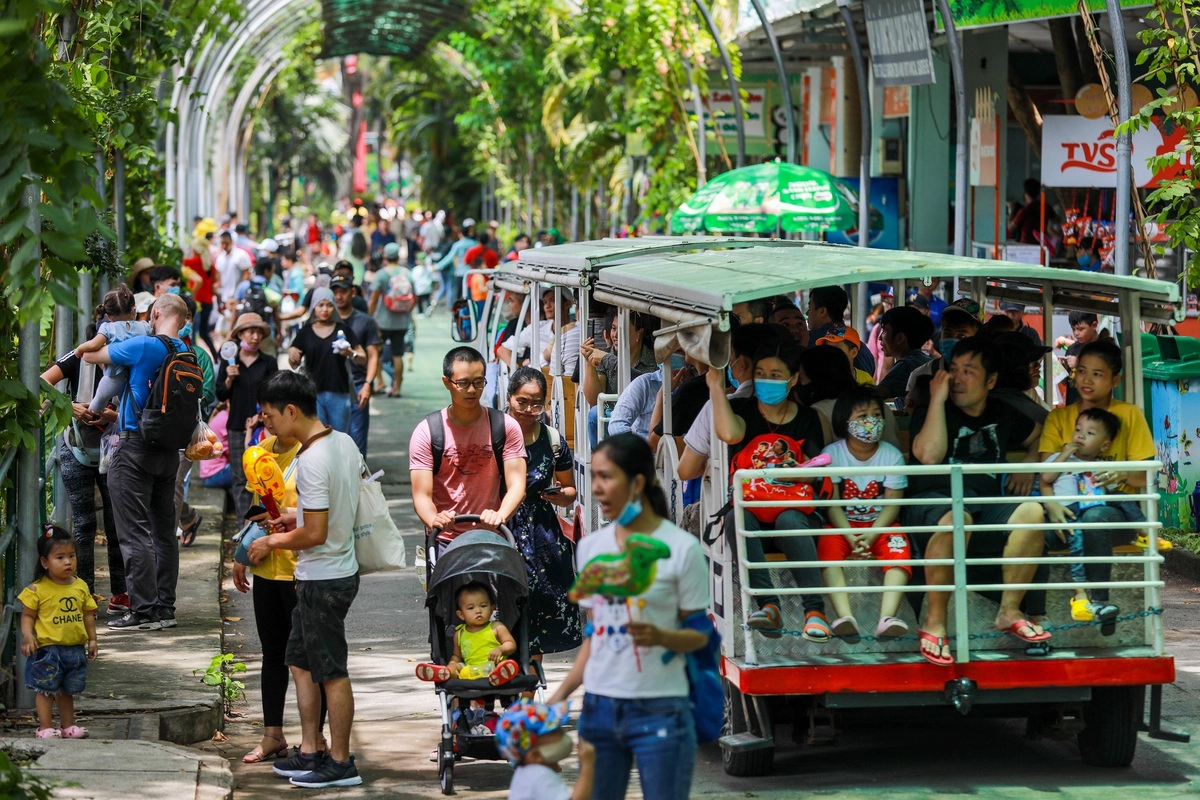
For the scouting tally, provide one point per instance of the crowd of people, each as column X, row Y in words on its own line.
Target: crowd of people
column 289, row 349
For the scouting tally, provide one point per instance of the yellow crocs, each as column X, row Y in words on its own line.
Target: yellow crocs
column 1081, row 610
column 1143, row 541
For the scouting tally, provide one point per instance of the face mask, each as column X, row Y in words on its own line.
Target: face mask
column 248, row 348
column 185, row 331
column 632, row 510
column 677, row 362
column 172, row 290
column 770, row 392
column 867, row 429
column 734, row 382
column 946, row 347
column 556, row 751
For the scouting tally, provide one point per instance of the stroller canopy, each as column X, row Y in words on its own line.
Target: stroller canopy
column 479, row 556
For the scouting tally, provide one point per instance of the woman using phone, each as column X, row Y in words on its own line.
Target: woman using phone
column 554, row 621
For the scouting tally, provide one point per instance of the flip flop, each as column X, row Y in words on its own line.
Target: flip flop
column 189, row 533
column 504, row 672
column 1015, row 630
column 935, row 658
column 435, row 673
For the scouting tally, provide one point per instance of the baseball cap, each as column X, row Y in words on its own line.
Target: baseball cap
column 841, row 333
column 391, row 251
column 1009, row 306
column 341, row 282
column 468, row 222
column 919, row 300
column 1019, row 348
column 269, row 246
column 142, row 302
column 520, row 727
column 964, row 305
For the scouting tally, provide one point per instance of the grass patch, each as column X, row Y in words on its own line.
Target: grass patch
column 1186, row 541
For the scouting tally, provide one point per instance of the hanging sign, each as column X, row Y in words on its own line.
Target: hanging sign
column 1083, row 152
column 899, row 38
column 983, row 167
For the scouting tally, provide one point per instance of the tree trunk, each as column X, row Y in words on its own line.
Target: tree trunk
column 1087, row 67
column 1066, row 58
column 1023, row 109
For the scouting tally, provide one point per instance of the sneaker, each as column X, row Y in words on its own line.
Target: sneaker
column 329, row 773
column 766, row 621
column 118, row 603
column 136, row 622
column 166, row 619
column 298, row 763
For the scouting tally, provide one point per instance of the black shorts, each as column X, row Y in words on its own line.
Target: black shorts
column 397, row 338
column 983, row 544
column 317, row 643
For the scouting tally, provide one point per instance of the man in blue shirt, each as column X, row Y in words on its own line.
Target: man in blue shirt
column 141, row 479
column 453, row 265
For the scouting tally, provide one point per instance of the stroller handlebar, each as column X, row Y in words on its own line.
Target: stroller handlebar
column 502, row 529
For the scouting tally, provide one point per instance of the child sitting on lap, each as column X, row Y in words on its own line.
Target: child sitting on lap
column 531, row 737
column 858, row 418
column 121, row 324
column 481, row 646
column 58, row 634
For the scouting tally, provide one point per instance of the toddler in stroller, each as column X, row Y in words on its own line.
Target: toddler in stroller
column 477, row 559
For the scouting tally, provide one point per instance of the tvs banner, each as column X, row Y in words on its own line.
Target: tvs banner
column 1083, row 153
column 899, row 38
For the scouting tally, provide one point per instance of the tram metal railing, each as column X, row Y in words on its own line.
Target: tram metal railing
column 955, row 474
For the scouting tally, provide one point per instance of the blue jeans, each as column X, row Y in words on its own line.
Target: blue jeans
column 658, row 732
column 360, row 421
column 220, row 480
column 1098, row 542
column 333, row 409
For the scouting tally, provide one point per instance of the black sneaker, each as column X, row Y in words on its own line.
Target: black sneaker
column 330, row 773
column 298, row 763
column 136, row 622
column 166, row 619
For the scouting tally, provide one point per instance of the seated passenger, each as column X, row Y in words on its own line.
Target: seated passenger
column 858, row 423
column 826, row 309
column 960, row 320
column 825, row 376
column 599, row 369
column 962, row 425
column 789, row 316
column 905, row 331
column 847, row 340
column 787, row 433
column 688, row 398
column 635, row 406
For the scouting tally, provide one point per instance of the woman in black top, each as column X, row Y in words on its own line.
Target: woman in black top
column 767, row 418
column 327, row 345
column 238, row 383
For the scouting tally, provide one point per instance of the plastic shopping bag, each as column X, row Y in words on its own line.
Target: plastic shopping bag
column 204, row 445
column 377, row 542
column 110, row 440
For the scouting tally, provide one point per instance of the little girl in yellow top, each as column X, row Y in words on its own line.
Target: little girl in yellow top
column 58, row 634
column 481, row 646
column 274, row 599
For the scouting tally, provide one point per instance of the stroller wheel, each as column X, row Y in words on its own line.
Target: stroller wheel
column 446, row 768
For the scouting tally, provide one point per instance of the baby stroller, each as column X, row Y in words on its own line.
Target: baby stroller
column 477, row 556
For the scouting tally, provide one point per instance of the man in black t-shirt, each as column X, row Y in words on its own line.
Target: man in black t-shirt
column 961, row 426
column 905, row 330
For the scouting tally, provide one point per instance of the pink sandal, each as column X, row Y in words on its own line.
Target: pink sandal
column 74, row 732
column 434, row 673
column 504, row 672
column 49, row 733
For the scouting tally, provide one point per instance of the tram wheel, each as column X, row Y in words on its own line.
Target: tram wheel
column 1110, row 719
column 745, row 762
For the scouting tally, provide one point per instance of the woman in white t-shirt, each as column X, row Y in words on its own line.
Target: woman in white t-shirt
column 636, row 705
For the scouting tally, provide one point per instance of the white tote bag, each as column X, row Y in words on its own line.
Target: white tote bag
column 377, row 542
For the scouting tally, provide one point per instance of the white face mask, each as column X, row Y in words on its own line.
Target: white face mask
column 556, row 751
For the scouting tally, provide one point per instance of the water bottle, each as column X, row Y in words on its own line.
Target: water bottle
column 340, row 345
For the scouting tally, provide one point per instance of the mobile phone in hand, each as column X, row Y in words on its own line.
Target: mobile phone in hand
column 555, row 489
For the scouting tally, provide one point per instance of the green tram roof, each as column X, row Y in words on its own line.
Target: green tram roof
column 708, row 284
column 575, row 264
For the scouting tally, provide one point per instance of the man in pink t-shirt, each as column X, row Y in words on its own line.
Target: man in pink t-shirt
column 468, row 479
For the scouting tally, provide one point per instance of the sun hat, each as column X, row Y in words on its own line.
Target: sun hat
column 249, row 320
column 841, row 333
column 142, row 302
column 139, row 266
column 520, row 727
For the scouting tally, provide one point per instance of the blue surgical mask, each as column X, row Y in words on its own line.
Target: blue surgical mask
column 172, row 290
column 734, row 382
column 186, row 331
column 1084, row 259
column 677, row 362
column 946, row 347
column 769, row 391
column 630, row 512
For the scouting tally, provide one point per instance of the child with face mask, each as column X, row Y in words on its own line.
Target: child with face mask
column 858, row 421
column 531, row 737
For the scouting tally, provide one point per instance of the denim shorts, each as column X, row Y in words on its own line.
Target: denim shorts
column 57, row 668
column 658, row 734
column 317, row 643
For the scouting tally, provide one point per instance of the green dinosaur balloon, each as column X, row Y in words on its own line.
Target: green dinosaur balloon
column 625, row 574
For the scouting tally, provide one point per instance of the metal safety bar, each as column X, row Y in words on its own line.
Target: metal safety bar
column 959, row 528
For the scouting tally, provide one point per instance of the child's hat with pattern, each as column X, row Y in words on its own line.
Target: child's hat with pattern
column 520, row 727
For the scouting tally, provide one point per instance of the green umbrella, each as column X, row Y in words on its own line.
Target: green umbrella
column 766, row 198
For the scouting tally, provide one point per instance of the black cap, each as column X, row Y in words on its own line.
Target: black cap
column 1019, row 346
column 341, row 282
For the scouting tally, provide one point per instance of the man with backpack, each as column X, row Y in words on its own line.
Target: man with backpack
column 466, row 458
column 159, row 411
column 366, row 330
column 392, row 301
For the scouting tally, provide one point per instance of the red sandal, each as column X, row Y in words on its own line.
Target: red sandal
column 504, row 672
column 435, row 673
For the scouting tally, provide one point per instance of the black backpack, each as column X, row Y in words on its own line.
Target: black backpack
column 255, row 300
column 437, row 439
column 170, row 416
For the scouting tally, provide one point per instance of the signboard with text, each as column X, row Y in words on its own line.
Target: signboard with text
column 1083, row 153
column 899, row 38
column 974, row 14
column 762, row 102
